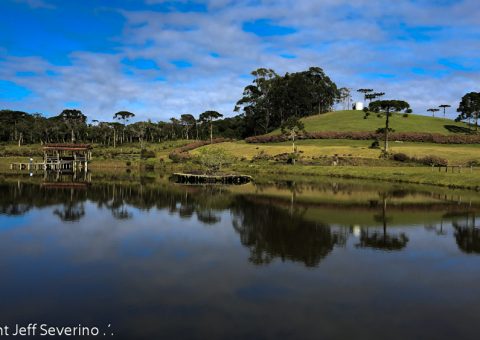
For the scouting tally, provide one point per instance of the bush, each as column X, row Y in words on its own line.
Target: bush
column 400, row 157
column 145, row 154
column 433, row 160
column 405, row 115
column 179, row 157
column 213, row 159
column 416, row 137
column 375, row 144
column 128, row 163
column 408, row 110
column 261, row 156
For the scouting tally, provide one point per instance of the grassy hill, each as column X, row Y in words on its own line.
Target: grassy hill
column 354, row 121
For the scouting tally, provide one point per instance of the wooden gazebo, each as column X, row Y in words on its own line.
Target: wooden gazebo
column 66, row 156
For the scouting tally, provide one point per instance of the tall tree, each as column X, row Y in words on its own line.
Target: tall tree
column 208, row 117
column 188, row 122
column 388, row 107
column 433, row 110
column 124, row 116
column 470, row 107
column 365, row 92
column 73, row 119
column 444, row 107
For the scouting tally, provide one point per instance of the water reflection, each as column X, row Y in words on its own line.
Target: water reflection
column 230, row 262
column 270, row 232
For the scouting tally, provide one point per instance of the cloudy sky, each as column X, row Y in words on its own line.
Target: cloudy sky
column 161, row 58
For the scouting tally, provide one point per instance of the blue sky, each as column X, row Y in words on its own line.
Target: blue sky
column 161, row 59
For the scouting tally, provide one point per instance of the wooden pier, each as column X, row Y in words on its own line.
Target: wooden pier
column 59, row 157
column 211, row 179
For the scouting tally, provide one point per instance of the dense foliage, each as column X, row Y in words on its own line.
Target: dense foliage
column 271, row 99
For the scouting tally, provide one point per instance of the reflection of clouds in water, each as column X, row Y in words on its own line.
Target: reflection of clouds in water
column 166, row 272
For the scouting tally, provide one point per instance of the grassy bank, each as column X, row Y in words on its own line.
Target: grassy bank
column 354, row 121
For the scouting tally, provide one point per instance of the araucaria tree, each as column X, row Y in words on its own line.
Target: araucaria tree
column 388, row 107
column 470, row 107
column 208, row 117
column 433, row 110
column 124, row 116
column 74, row 120
column 444, row 107
column 271, row 99
column 365, row 92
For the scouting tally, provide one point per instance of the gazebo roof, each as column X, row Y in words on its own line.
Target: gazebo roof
column 67, row 147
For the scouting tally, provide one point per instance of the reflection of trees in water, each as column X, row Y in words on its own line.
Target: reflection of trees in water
column 70, row 212
column 270, row 232
column 467, row 235
column 382, row 240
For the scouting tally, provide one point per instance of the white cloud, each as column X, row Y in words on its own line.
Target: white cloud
column 351, row 40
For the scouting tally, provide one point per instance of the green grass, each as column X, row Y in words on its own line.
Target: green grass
column 353, row 121
column 457, row 154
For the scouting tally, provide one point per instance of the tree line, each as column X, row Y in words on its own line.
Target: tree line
column 271, row 101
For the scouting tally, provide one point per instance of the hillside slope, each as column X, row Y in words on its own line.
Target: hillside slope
column 354, row 121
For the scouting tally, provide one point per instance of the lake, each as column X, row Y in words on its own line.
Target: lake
column 143, row 258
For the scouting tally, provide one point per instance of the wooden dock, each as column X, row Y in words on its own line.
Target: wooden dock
column 59, row 157
column 211, row 179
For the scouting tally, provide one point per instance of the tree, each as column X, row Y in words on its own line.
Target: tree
column 124, row 116
column 444, row 107
column 433, row 110
column 470, row 107
column 387, row 107
column 293, row 126
column 344, row 96
column 271, row 99
column 188, row 121
column 365, row 92
column 73, row 119
column 208, row 117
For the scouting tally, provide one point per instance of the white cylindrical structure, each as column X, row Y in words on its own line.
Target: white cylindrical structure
column 359, row 106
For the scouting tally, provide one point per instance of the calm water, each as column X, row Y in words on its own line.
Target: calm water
column 159, row 260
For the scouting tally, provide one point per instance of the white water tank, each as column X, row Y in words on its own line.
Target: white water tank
column 359, row 106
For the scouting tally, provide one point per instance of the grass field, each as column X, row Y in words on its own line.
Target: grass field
column 454, row 153
column 353, row 121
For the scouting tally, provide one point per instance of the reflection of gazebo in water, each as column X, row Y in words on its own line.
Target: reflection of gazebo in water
column 66, row 156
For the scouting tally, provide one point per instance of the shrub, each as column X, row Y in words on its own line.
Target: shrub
column 433, row 160
column 179, row 157
column 261, row 156
column 145, row 154
column 128, row 163
column 473, row 162
column 405, row 115
column 375, row 144
column 366, row 135
column 400, row 157
column 408, row 110
column 213, row 159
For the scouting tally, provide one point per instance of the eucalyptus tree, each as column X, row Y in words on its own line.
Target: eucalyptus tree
column 433, row 110
column 388, row 107
column 123, row 116
column 345, row 97
column 469, row 107
column 188, row 122
column 208, row 117
column 444, row 107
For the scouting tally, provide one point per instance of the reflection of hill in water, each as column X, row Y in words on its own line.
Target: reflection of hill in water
column 270, row 232
column 274, row 223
